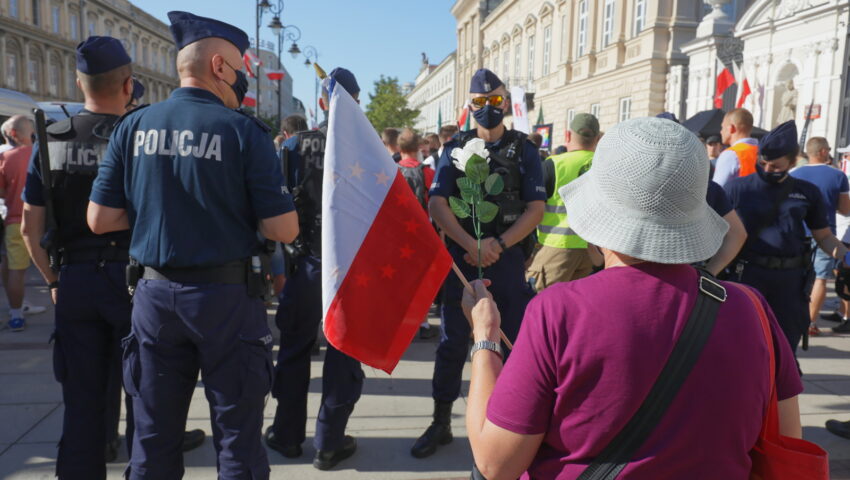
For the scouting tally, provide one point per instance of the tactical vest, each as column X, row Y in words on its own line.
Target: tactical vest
column 76, row 146
column 307, row 195
column 506, row 162
column 554, row 230
column 747, row 158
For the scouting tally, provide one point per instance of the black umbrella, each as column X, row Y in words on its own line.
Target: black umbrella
column 707, row 123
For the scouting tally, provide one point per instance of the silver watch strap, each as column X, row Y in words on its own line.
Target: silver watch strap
column 486, row 345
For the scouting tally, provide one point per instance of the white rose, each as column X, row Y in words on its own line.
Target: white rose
column 475, row 146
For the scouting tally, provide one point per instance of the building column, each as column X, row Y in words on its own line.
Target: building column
column 2, row 58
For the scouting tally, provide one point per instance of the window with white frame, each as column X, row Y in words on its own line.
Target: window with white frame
column 92, row 27
column 107, row 29
column 506, row 62
column 33, row 72
column 640, row 16
column 74, row 26
column 625, row 108
column 55, row 75
column 547, row 48
column 608, row 23
column 530, row 57
column 12, row 70
column 54, row 18
column 13, row 8
column 517, row 59
column 582, row 29
column 563, row 39
column 571, row 115
column 594, row 110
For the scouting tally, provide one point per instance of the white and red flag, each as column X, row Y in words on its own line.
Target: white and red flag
column 724, row 80
column 275, row 74
column 744, row 90
column 250, row 99
column 251, row 61
column 383, row 263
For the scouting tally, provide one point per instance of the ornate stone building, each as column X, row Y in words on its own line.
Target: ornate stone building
column 38, row 37
column 794, row 53
column 433, row 94
column 270, row 96
column 611, row 58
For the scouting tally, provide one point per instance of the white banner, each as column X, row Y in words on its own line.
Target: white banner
column 519, row 110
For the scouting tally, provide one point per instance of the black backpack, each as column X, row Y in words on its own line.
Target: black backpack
column 415, row 177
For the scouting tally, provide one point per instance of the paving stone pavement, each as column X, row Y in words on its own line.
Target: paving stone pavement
column 392, row 412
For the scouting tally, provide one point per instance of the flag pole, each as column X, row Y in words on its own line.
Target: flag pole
column 471, row 290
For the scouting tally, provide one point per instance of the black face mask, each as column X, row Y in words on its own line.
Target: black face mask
column 770, row 177
column 489, row 116
column 240, row 86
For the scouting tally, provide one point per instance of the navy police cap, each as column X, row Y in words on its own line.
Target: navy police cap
column 484, row 81
column 345, row 78
column 780, row 141
column 97, row 55
column 187, row 28
column 668, row 116
column 138, row 89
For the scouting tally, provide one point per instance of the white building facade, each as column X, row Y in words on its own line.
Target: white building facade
column 433, row 95
column 793, row 53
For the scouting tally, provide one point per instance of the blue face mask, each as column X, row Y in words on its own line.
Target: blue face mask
column 489, row 116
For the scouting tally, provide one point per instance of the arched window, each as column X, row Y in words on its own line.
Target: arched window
column 54, row 85
column 35, row 72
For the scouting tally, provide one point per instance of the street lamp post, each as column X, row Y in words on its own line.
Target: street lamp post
column 262, row 6
column 284, row 32
column 313, row 56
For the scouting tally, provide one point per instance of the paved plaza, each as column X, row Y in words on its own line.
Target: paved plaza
column 392, row 412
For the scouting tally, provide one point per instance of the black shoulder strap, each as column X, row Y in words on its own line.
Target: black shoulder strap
column 686, row 352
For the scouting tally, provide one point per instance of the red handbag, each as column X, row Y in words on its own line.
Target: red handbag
column 775, row 456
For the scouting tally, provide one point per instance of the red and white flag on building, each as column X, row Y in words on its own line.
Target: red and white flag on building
column 463, row 121
column 250, row 99
column 724, row 80
column 275, row 74
column 383, row 263
column 251, row 61
column 743, row 84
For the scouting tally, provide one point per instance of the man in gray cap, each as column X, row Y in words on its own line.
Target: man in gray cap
column 563, row 256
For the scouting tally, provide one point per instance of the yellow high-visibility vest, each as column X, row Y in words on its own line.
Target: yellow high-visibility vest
column 554, row 230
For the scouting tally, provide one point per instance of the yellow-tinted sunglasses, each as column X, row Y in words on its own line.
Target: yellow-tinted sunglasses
column 494, row 100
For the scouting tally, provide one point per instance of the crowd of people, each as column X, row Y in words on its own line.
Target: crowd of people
column 721, row 232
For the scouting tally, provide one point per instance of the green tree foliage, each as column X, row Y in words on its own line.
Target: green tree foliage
column 388, row 107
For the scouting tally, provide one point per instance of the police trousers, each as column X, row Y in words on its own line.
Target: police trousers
column 787, row 293
column 92, row 316
column 511, row 293
column 178, row 330
column 298, row 317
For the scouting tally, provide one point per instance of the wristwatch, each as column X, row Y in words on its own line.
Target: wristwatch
column 486, row 345
column 502, row 244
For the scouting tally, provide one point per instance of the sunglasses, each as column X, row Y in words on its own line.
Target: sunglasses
column 493, row 100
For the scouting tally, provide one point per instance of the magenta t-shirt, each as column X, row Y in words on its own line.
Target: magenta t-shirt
column 590, row 350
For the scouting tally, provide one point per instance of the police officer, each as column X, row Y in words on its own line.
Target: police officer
column 504, row 246
column 776, row 208
column 196, row 179
column 300, row 312
column 92, row 304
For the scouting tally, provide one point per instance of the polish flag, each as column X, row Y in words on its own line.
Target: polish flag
column 383, row 263
column 275, row 74
column 463, row 121
column 250, row 99
column 725, row 79
column 250, row 59
column 743, row 84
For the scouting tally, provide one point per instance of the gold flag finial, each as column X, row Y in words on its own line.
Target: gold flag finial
column 321, row 73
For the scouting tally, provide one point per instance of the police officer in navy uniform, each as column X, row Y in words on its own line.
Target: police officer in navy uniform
column 505, row 245
column 776, row 209
column 300, row 312
column 196, row 179
column 92, row 304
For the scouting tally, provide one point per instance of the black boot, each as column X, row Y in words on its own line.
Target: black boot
column 439, row 433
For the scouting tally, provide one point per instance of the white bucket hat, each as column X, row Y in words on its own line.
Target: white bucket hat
column 644, row 196
column 844, row 149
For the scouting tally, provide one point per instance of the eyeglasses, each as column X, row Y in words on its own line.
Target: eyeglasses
column 493, row 100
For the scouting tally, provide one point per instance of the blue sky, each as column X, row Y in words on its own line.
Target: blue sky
column 369, row 37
